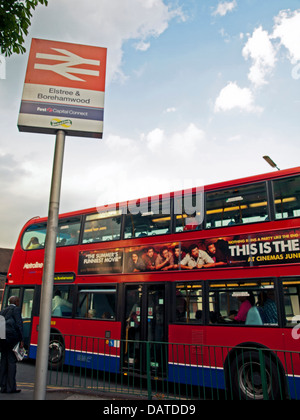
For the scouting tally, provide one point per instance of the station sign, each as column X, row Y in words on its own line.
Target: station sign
column 64, row 89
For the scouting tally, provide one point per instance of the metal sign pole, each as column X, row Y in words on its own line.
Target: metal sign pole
column 41, row 369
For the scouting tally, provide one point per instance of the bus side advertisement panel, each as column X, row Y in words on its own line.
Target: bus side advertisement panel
column 255, row 249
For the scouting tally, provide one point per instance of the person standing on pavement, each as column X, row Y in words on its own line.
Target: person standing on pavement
column 14, row 335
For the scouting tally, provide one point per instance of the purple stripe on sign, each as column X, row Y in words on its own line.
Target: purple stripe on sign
column 58, row 110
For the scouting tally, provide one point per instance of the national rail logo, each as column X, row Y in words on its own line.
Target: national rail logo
column 56, row 122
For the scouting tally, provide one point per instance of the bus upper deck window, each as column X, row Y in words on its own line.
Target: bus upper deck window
column 189, row 211
column 102, row 226
column 287, row 197
column 243, row 204
column 34, row 237
column 68, row 232
column 147, row 218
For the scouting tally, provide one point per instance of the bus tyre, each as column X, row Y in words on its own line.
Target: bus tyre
column 246, row 380
column 56, row 351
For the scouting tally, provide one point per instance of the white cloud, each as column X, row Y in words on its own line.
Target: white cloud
column 261, row 51
column 142, row 46
column 225, row 7
column 108, row 24
column 233, row 97
column 155, row 139
column 287, row 29
column 170, row 110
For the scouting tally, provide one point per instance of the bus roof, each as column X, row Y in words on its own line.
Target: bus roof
column 210, row 187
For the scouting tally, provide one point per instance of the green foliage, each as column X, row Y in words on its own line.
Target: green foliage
column 15, row 18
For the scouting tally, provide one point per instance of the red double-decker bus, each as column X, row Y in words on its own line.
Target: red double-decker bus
column 209, row 267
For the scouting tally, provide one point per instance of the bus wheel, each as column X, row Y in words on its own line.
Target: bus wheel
column 246, row 380
column 56, row 351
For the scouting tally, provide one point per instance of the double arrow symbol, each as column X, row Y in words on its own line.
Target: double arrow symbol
column 66, row 68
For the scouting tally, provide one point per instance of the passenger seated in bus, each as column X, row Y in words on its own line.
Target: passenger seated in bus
column 253, row 317
column 247, row 300
column 198, row 315
column 60, row 306
column 91, row 313
column 73, row 238
column 106, row 315
column 33, row 243
column 269, row 307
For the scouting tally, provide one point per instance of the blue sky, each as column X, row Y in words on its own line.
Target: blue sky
column 197, row 92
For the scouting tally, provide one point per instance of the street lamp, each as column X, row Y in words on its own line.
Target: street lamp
column 271, row 162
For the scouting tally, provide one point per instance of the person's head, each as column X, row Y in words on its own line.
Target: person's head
column 134, row 257
column 177, row 251
column 194, row 251
column 14, row 300
column 150, row 252
column 211, row 248
column 271, row 294
column 164, row 252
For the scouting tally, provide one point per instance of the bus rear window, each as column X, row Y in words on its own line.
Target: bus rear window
column 244, row 204
column 287, row 197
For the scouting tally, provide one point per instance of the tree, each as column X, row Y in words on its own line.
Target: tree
column 15, row 18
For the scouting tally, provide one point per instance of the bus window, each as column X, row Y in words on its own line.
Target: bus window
column 189, row 211
column 103, row 226
column 189, row 303
column 287, row 197
column 147, row 219
column 245, row 204
column 250, row 302
column 34, row 237
column 27, row 303
column 9, row 292
column 291, row 291
column 68, row 232
column 97, row 303
column 62, row 301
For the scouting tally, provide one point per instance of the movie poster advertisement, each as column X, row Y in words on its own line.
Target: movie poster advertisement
column 106, row 261
column 256, row 249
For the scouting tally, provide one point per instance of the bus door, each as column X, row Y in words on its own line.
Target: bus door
column 145, row 321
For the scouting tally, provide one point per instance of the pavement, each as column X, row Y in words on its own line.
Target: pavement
column 27, row 393
column 25, row 382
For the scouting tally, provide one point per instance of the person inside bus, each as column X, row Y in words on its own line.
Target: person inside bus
column 60, row 306
column 91, row 313
column 180, row 307
column 73, row 239
column 33, row 243
column 247, row 300
column 196, row 258
column 269, row 307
